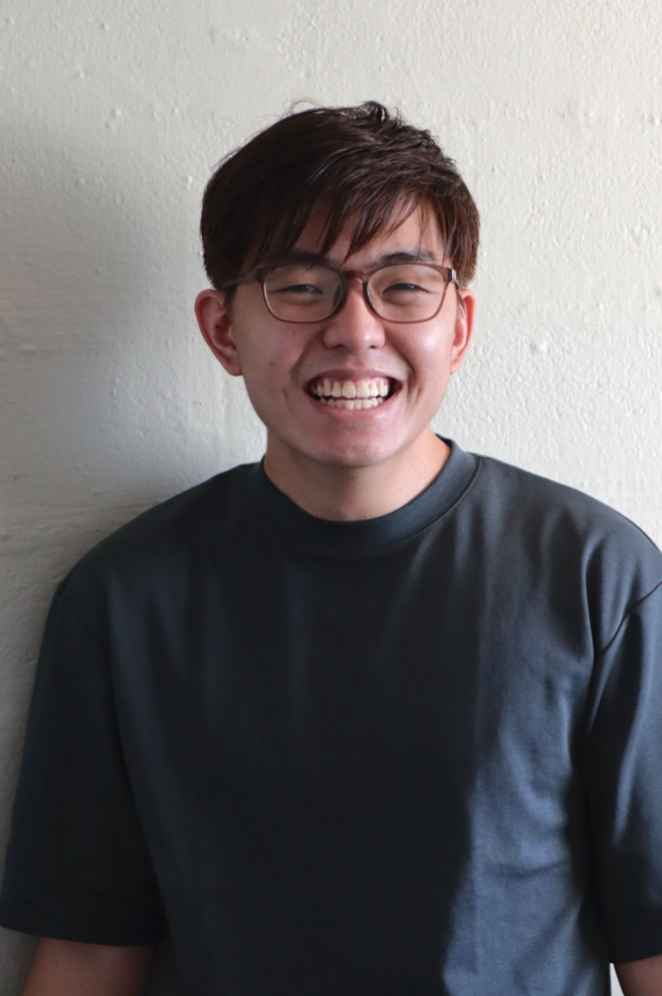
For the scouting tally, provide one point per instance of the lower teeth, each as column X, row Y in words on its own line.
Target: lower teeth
column 353, row 404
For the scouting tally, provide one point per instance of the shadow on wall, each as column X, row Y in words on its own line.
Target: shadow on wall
column 75, row 274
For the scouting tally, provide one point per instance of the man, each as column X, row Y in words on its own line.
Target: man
column 377, row 715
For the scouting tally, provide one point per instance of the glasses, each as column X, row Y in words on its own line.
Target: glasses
column 302, row 292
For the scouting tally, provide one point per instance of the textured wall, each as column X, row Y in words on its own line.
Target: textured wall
column 111, row 118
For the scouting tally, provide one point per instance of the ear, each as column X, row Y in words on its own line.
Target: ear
column 211, row 310
column 464, row 323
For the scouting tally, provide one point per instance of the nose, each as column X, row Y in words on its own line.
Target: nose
column 355, row 326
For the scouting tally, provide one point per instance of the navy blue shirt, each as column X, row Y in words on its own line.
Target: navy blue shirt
column 418, row 754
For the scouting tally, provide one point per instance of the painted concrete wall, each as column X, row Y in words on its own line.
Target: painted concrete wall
column 111, row 118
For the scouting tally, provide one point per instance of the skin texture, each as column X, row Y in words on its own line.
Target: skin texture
column 69, row 968
column 340, row 464
column 641, row 978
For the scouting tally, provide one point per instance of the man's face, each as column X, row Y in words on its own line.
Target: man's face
column 287, row 366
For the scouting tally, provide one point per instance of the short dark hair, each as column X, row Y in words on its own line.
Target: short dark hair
column 360, row 162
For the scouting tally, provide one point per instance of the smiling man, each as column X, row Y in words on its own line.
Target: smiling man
column 343, row 382
column 375, row 715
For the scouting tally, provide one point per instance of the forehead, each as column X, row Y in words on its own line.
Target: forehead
column 418, row 233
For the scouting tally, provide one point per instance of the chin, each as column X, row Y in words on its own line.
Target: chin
column 353, row 456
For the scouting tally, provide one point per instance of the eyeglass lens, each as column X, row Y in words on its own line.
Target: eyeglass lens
column 406, row 292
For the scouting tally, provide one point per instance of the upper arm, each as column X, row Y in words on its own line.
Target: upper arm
column 71, row 968
column 82, row 868
column 641, row 978
column 623, row 793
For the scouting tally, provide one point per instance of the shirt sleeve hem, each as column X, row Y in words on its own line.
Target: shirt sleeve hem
column 79, row 921
column 636, row 940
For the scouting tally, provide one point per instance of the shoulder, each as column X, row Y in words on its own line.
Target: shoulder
column 161, row 543
column 567, row 533
column 517, row 494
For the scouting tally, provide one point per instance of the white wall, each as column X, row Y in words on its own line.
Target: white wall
column 112, row 116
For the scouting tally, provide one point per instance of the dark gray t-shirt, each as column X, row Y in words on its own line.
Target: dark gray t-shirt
column 418, row 754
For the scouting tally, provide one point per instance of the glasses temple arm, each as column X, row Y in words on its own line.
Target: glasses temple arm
column 247, row 277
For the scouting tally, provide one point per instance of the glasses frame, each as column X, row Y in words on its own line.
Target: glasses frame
column 260, row 273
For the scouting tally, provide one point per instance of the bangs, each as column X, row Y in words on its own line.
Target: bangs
column 379, row 214
column 349, row 165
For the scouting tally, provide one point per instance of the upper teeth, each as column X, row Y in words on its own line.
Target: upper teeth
column 378, row 387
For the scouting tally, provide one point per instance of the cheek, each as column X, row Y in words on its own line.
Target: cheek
column 428, row 352
column 267, row 369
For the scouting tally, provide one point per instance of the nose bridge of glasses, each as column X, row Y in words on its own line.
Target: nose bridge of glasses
column 348, row 285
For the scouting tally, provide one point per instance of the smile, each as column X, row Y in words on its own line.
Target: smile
column 351, row 394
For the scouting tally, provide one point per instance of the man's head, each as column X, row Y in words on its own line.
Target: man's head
column 339, row 243
column 350, row 162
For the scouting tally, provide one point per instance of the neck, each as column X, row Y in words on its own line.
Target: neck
column 347, row 494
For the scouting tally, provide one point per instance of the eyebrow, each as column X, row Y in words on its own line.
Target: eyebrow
column 416, row 255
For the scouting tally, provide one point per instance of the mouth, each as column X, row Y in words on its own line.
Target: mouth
column 354, row 395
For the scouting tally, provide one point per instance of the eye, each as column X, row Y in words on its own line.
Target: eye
column 403, row 291
column 407, row 282
column 404, row 287
column 297, row 289
column 299, row 283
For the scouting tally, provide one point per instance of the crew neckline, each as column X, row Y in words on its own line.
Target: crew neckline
column 365, row 536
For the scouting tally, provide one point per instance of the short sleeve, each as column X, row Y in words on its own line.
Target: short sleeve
column 623, row 779
column 77, row 867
